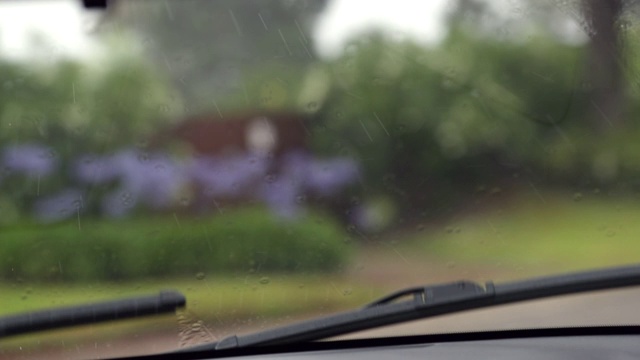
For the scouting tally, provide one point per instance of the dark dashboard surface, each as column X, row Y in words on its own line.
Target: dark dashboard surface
column 573, row 347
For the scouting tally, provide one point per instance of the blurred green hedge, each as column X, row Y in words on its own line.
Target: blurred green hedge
column 245, row 240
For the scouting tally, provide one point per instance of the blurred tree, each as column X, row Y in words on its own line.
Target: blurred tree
column 75, row 107
column 602, row 22
column 431, row 125
column 206, row 46
column 597, row 144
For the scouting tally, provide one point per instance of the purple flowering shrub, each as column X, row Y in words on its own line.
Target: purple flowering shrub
column 149, row 180
column 228, row 177
column 118, row 184
column 59, row 206
column 31, row 160
column 300, row 176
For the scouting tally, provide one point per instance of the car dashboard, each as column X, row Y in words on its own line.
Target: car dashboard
column 606, row 342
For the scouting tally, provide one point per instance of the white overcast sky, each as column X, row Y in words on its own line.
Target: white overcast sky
column 63, row 23
column 421, row 19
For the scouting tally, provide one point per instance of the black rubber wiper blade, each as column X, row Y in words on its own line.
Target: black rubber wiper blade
column 165, row 302
column 428, row 301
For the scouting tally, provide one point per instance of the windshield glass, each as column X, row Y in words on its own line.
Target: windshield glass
column 280, row 160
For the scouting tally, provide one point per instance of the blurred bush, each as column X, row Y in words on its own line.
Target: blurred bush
column 247, row 240
column 429, row 125
column 52, row 113
column 582, row 161
column 72, row 106
column 576, row 154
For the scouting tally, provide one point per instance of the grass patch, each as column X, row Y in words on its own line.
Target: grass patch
column 222, row 303
column 548, row 232
column 222, row 298
column 218, row 262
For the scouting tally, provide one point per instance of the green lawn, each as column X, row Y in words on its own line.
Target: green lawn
column 541, row 233
column 536, row 234
column 223, row 303
column 221, row 297
column 546, row 233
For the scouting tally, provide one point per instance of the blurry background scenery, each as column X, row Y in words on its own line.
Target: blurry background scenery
column 248, row 152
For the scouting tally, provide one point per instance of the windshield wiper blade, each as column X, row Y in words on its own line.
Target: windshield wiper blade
column 165, row 302
column 431, row 301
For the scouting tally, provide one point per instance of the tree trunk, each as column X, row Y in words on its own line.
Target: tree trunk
column 604, row 67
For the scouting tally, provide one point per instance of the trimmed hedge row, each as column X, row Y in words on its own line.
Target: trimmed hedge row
column 243, row 240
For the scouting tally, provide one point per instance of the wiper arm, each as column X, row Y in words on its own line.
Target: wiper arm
column 164, row 302
column 431, row 301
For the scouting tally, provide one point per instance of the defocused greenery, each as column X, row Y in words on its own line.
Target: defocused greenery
column 539, row 233
column 507, row 109
column 248, row 240
column 225, row 40
column 429, row 124
column 432, row 124
column 75, row 109
column 83, row 108
column 270, row 86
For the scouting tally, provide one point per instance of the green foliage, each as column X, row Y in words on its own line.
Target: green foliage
column 245, row 240
column 272, row 86
column 611, row 160
column 575, row 154
column 219, row 41
column 420, row 119
column 74, row 107
column 565, row 231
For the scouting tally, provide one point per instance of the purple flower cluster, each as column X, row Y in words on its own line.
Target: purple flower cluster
column 156, row 181
column 29, row 159
column 301, row 175
column 323, row 177
column 228, row 177
column 60, row 206
column 282, row 184
column 153, row 180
